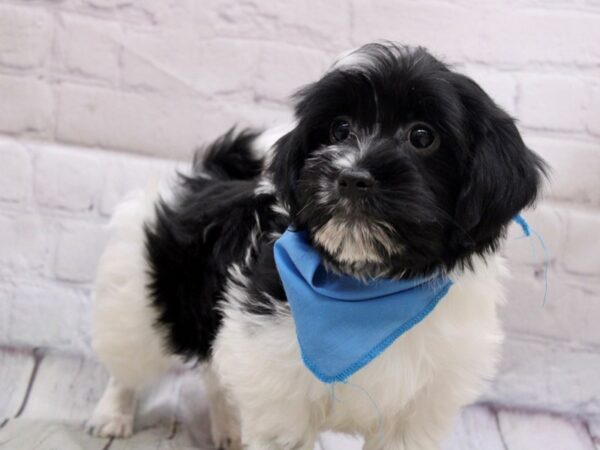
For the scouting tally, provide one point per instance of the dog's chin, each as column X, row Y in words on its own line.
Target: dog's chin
column 357, row 245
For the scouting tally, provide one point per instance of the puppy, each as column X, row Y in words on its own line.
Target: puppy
column 396, row 167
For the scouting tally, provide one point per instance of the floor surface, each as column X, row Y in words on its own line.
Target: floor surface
column 46, row 397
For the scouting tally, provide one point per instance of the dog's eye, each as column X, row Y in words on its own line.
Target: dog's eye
column 422, row 137
column 340, row 130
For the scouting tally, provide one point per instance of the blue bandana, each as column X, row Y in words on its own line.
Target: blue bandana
column 343, row 323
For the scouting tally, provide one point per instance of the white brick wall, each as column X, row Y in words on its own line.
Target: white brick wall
column 80, row 79
column 24, row 36
column 54, row 203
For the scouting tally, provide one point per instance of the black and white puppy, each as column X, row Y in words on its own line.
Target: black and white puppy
column 397, row 167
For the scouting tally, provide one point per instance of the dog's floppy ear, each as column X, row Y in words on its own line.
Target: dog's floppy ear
column 501, row 177
column 291, row 150
column 288, row 158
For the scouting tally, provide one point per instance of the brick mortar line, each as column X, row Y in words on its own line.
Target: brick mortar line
column 115, row 154
column 535, row 338
column 531, row 133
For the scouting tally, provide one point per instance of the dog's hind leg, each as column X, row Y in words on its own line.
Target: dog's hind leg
column 124, row 335
column 114, row 415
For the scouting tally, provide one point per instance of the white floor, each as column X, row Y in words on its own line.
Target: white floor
column 46, row 397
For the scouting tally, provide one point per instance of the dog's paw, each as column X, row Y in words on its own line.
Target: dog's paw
column 225, row 431
column 228, row 443
column 110, row 426
column 226, row 437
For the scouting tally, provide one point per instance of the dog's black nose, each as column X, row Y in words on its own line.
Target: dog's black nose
column 352, row 182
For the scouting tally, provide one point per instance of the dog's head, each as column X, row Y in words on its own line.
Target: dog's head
column 400, row 166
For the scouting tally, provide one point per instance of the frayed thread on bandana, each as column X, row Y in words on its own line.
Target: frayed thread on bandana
column 528, row 232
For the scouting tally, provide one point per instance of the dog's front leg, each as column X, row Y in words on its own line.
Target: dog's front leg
column 422, row 426
column 279, row 444
column 280, row 428
column 412, row 433
column 406, row 440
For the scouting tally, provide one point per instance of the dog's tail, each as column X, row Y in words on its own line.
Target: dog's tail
column 231, row 157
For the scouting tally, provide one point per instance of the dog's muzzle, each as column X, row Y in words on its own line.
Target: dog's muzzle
column 354, row 183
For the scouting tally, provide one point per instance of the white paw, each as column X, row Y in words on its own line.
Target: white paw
column 226, row 439
column 109, row 426
column 228, row 444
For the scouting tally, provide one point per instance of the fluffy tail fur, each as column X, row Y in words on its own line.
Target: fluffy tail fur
column 230, row 157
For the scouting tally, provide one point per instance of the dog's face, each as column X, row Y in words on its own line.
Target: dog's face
column 400, row 167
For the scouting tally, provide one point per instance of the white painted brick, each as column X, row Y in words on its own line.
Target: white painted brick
column 206, row 68
column 88, row 47
column 24, row 243
column 15, row 172
column 568, row 303
column 79, row 248
column 551, row 102
column 162, row 14
column 105, row 9
column 242, row 19
column 252, row 113
column 4, row 313
column 582, row 256
column 67, row 179
column 125, row 174
column 536, row 35
column 26, row 107
column 107, row 118
column 143, row 71
column 258, row 114
column 446, row 30
column 149, row 123
column 284, row 69
column 551, row 222
column 547, row 375
column 148, row 11
column 49, row 315
column 101, row 4
column 593, row 110
column 503, row 34
column 574, row 168
column 311, row 23
column 25, row 36
column 501, row 87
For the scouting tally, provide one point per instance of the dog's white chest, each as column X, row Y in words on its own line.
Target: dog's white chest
column 448, row 354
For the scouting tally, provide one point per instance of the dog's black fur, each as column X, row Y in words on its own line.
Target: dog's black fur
column 192, row 243
column 439, row 206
